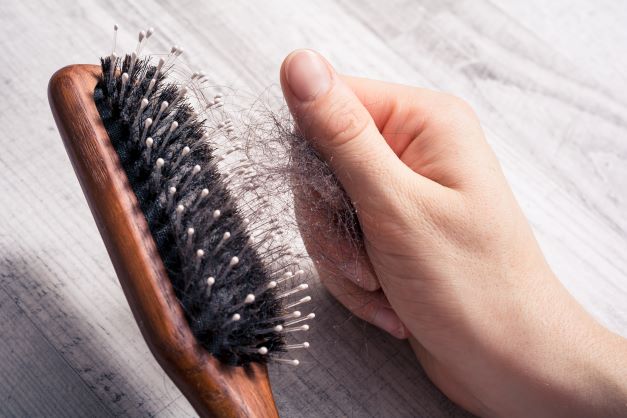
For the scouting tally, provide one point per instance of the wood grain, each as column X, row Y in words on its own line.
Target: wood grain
column 546, row 78
column 212, row 388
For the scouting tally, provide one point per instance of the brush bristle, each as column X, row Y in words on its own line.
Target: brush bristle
column 227, row 290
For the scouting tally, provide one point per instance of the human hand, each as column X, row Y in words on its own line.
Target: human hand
column 450, row 260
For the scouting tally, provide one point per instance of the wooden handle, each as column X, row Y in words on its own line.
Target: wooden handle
column 215, row 390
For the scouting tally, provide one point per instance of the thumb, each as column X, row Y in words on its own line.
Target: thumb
column 331, row 116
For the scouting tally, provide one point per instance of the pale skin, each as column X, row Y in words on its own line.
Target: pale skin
column 450, row 261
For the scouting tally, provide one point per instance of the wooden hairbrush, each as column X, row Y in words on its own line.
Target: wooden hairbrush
column 211, row 308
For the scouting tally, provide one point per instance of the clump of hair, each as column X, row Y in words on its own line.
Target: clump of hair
column 314, row 202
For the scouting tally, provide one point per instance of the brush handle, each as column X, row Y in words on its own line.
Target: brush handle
column 215, row 390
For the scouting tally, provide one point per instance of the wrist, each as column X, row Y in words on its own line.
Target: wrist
column 565, row 364
column 606, row 380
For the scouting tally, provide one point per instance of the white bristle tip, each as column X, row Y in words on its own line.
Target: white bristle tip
column 211, row 281
column 185, row 151
column 234, row 261
column 250, row 298
column 271, row 285
column 305, row 327
column 226, row 235
column 263, row 351
column 278, row 328
column 204, row 192
column 306, row 344
column 216, row 214
column 124, row 77
column 190, row 231
column 160, row 162
column 196, row 169
column 180, row 208
column 164, row 105
column 200, row 253
column 147, row 123
column 149, row 142
column 236, row 317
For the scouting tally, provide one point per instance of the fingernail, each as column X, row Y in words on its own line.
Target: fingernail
column 307, row 75
column 389, row 321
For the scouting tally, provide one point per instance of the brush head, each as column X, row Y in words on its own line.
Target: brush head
column 225, row 286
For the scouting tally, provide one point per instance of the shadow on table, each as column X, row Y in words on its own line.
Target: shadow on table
column 64, row 360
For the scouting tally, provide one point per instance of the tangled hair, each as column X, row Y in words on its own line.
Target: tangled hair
column 311, row 199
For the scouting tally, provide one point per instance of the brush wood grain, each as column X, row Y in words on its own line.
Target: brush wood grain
column 212, row 388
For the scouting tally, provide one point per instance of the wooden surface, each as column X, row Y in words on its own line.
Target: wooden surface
column 213, row 389
column 547, row 79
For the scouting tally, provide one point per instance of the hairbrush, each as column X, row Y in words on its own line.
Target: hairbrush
column 212, row 291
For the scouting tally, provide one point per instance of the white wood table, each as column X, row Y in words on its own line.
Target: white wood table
column 547, row 79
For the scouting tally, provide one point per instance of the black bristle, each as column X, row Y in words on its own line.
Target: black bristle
column 209, row 317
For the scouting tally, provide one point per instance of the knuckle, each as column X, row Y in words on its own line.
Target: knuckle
column 345, row 123
column 453, row 116
column 366, row 311
column 368, row 284
column 458, row 107
column 363, row 277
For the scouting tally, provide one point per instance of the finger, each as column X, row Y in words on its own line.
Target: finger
column 372, row 307
column 328, row 113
